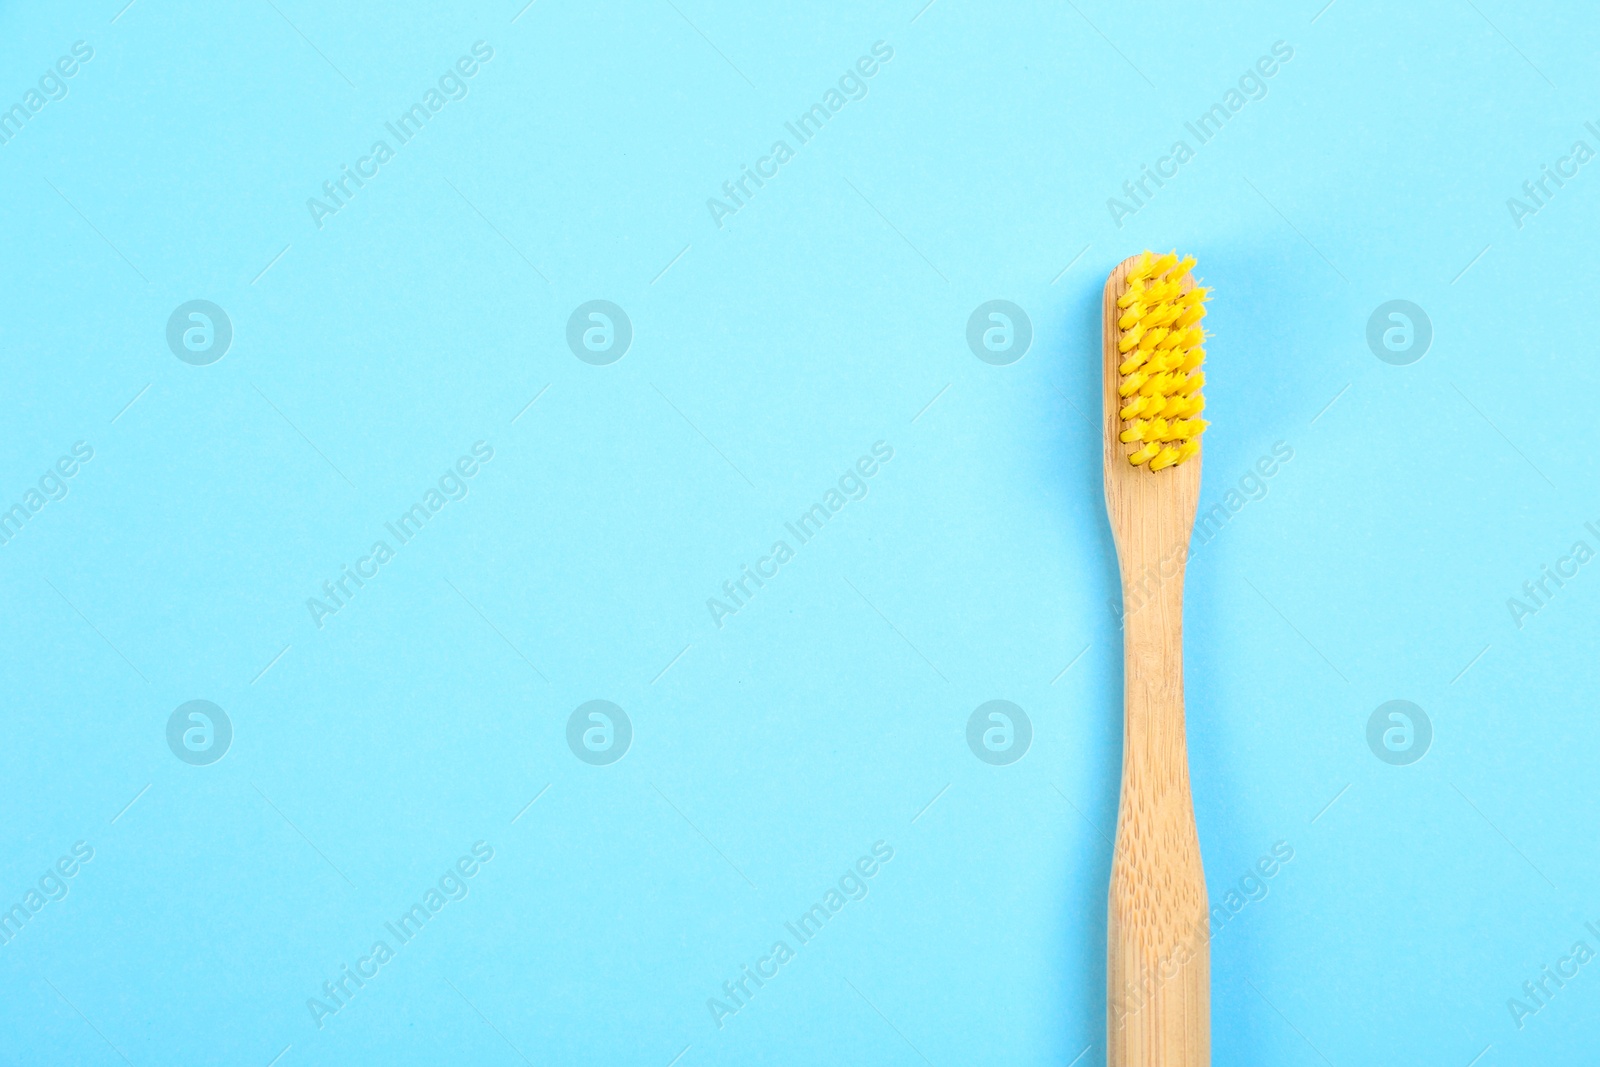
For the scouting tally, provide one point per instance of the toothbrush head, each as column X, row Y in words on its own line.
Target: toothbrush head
column 1159, row 342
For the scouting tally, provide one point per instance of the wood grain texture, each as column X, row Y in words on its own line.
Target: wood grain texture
column 1158, row 973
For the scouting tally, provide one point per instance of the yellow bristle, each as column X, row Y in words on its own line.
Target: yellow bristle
column 1163, row 459
column 1160, row 339
column 1159, row 385
column 1178, row 339
column 1166, row 315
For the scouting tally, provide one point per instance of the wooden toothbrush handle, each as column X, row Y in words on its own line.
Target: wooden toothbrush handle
column 1158, row 967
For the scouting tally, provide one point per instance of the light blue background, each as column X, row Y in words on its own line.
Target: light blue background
column 768, row 355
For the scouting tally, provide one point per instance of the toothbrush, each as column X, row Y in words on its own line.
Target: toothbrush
column 1158, row 985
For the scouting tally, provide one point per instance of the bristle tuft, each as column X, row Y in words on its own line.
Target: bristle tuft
column 1162, row 342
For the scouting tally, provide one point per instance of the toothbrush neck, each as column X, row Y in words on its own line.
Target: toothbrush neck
column 1152, row 627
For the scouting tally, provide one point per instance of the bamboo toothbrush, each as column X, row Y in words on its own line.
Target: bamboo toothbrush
column 1158, row 986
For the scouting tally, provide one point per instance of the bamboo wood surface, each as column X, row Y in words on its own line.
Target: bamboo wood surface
column 1158, row 1004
